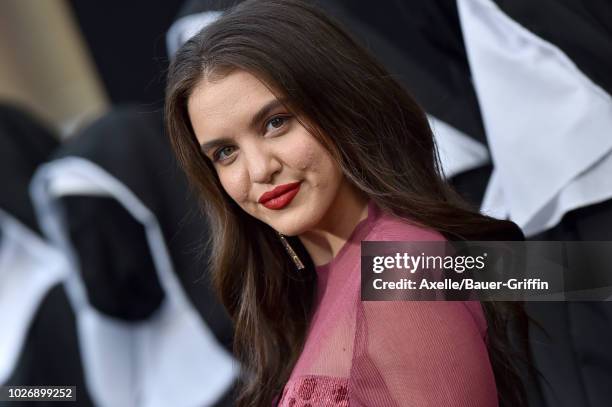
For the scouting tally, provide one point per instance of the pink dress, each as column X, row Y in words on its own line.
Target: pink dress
column 398, row 353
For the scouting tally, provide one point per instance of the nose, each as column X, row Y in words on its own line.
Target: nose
column 262, row 164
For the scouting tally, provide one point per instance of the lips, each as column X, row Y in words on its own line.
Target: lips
column 280, row 196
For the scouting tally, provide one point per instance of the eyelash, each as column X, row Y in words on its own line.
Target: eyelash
column 218, row 151
column 285, row 118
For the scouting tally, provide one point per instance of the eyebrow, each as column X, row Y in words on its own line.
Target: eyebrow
column 261, row 114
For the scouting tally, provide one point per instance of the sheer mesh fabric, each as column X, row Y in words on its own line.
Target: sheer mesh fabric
column 398, row 353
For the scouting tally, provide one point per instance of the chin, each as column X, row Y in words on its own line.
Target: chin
column 290, row 228
column 293, row 222
column 289, row 231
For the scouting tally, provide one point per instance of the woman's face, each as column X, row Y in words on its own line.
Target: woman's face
column 266, row 160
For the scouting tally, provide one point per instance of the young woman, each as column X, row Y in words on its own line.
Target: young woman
column 302, row 146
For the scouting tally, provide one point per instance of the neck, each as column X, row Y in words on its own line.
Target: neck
column 325, row 241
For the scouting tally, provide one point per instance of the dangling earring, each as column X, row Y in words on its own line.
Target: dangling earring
column 298, row 263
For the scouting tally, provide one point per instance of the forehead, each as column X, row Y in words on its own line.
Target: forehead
column 220, row 107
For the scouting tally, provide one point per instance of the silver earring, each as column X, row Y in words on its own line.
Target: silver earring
column 298, row 263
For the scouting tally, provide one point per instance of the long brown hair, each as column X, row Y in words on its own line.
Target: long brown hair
column 372, row 127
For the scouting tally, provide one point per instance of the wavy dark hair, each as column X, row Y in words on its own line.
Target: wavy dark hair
column 371, row 126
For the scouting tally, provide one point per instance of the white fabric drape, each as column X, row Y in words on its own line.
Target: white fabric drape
column 549, row 126
column 29, row 268
column 170, row 359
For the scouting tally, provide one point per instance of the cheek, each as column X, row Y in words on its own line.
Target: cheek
column 322, row 168
column 235, row 184
column 308, row 155
column 304, row 154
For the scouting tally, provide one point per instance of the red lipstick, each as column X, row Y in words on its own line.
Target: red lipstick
column 280, row 196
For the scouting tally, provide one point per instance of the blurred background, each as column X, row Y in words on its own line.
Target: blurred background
column 69, row 61
column 103, row 282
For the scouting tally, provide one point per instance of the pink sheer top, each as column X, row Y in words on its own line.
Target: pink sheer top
column 399, row 353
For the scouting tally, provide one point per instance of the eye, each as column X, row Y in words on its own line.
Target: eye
column 276, row 123
column 223, row 153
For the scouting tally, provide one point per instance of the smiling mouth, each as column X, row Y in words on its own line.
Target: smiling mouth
column 280, row 196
